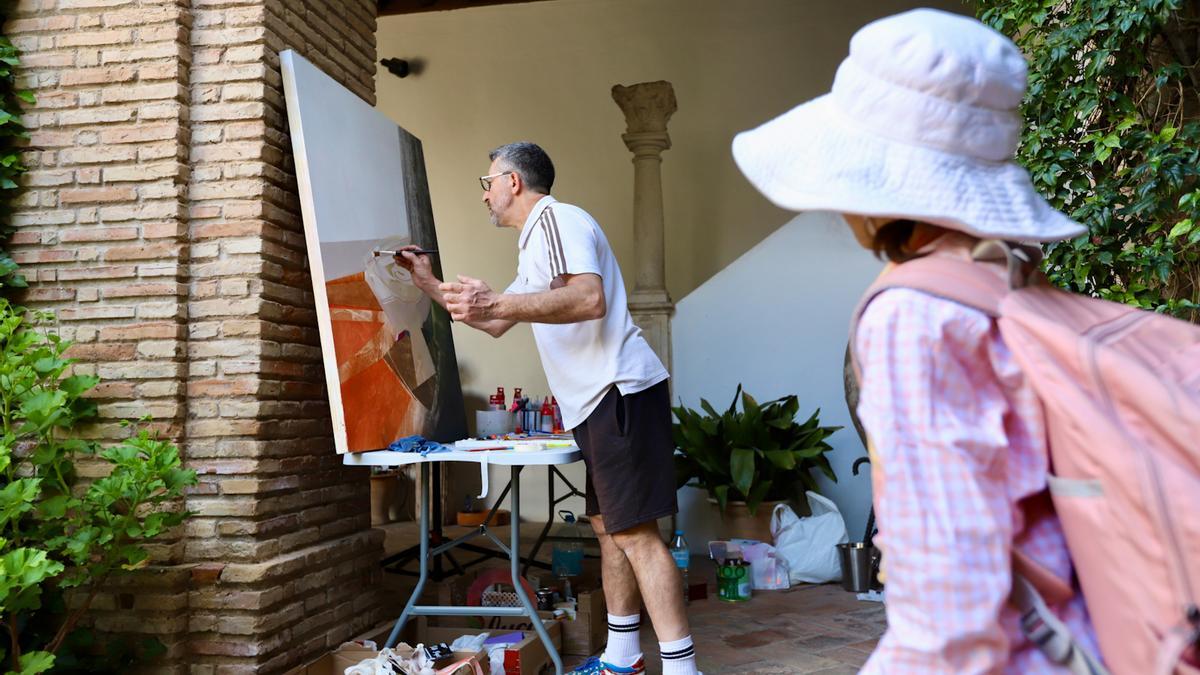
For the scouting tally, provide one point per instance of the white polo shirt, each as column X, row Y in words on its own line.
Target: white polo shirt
column 582, row 360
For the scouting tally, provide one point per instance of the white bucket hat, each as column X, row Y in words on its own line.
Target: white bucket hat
column 922, row 124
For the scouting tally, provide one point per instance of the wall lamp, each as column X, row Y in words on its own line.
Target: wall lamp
column 397, row 67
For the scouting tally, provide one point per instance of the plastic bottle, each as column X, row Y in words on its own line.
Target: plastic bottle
column 566, row 558
column 515, row 410
column 500, row 399
column 558, row 420
column 683, row 558
column 547, row 416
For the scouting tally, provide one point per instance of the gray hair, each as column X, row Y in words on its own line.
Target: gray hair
column 529, row 161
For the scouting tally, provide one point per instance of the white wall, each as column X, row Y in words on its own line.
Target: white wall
column 777, row 321
column 543, row 71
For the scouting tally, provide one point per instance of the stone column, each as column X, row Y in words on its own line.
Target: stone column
column 647, row 107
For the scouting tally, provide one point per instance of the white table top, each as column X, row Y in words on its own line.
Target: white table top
column 559, row 455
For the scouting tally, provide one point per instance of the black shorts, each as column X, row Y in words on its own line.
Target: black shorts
column 627, row 449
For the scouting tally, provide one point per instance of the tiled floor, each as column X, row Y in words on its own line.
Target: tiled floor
column 808, row 629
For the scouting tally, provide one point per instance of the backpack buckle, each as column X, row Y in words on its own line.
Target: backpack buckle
column 1021, row 260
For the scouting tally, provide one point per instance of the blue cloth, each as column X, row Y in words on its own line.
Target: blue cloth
column 418, row 444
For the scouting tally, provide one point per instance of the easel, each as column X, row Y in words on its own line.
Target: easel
column 515, row 461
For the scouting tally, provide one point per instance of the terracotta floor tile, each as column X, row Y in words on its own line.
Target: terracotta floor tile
column 817, row 630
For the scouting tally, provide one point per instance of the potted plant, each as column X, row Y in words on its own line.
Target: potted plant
column 750, row 458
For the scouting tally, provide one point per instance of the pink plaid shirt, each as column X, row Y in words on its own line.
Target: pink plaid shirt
column 960, row 441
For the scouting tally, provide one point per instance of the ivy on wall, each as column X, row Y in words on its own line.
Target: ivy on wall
column 60, row 534
column 1113, row 139
column 11, row 131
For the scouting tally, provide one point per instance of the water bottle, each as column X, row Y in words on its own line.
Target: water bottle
column 566, row 557
column 683, row 557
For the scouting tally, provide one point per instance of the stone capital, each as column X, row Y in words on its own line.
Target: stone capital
column 647, row 106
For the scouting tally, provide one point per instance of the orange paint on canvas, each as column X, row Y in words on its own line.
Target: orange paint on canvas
column 377, row 408
column 376, row 404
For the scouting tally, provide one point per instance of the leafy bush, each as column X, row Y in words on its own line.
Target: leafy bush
column 754, row 455
column 11, row 169
column 1113, row 140
column 56, row 532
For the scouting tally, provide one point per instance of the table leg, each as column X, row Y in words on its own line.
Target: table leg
column 515, row 533
column 424, row 567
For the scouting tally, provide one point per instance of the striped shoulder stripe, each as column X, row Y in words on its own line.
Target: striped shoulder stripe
column 554, row 267
column 554, row 242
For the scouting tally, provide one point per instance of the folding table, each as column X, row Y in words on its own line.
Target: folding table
column 516, row 460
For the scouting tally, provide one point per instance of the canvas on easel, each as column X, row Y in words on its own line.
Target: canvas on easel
column 388, row 353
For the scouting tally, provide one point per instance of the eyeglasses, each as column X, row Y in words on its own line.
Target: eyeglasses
column 486, row 181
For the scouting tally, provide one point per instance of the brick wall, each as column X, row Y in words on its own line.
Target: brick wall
column 161, row 223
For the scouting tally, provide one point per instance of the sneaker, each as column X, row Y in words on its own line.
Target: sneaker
column 594, row 666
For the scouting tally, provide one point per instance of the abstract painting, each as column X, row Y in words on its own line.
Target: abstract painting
column 388, row 353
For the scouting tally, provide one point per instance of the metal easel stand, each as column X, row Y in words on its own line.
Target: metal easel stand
column 527, row 608
column 396, row 562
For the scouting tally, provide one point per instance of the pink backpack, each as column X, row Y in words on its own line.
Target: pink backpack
column 1121, row 392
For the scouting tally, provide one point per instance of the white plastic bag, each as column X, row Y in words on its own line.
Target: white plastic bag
column 809, row 545
column 768, row 569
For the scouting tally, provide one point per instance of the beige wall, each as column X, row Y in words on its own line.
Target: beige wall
column 543, row 71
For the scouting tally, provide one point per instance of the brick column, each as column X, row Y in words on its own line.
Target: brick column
column 161, row 223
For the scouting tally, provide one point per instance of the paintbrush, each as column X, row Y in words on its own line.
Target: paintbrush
column 419, row 251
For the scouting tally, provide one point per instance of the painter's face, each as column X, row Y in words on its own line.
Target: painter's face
column 499, row 197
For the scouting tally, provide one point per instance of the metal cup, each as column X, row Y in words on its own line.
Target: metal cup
column 858, row 566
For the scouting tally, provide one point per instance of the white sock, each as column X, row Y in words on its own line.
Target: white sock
column 678, row 657
column 624, row 646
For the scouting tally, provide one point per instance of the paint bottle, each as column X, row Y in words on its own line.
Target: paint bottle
column 547, row 414
column 500, row 399
column 558, row 420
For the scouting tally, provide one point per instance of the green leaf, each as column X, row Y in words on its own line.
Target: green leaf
column 33, row 663
column 733, row 404
column 76, row 385
column 783, row 459
column 757, row 494
column 1181, row 228
column 721, row 492
column 55, row 507
column 741, row 469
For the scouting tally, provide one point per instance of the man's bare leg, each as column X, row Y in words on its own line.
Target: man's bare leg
column 620, row 584
column 624, row 647
column 658, row 579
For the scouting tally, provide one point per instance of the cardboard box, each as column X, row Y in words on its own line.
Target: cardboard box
column 337, row 661
column 588, row 633
column 526, row 657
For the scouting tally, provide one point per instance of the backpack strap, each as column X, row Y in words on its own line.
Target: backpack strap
column 1175, row 647
column 1049, row 633
column 955, row 275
